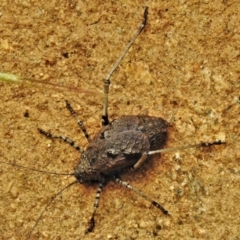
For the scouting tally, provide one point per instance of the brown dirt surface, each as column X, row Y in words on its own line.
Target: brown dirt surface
column 184, row 67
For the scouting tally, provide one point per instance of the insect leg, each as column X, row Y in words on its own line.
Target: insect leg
column 107, row 82
column 79, row 122
column 91, row 223
column 65, row 139
column 140, row 161
column 146, row 154
column 128, row 186
column 203, row 144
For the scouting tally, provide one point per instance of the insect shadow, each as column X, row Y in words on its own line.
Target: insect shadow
column 121, row 144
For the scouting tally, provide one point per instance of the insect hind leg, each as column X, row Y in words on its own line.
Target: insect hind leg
column 65, row 139
column 174, row 149
column 105, row 120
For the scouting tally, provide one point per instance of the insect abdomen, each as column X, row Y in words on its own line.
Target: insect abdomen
column 156, row 130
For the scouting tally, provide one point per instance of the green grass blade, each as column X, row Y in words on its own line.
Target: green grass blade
column 13, row 78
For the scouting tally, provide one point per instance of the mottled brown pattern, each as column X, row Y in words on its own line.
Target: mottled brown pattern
column 184, row 67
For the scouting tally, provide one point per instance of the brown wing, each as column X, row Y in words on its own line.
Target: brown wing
column 120, row 151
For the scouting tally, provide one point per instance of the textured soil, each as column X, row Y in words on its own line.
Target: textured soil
column 184, row 67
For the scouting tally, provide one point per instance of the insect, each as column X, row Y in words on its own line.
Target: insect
column 121, row 144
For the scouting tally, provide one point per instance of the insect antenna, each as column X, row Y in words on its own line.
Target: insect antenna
column 52, row 198
column 48, row 204
column 37, row 170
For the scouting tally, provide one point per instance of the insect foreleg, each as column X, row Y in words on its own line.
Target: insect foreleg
column 65, row 139
column 91, row 223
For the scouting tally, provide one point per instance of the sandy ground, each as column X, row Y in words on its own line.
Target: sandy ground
column 184, row 67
